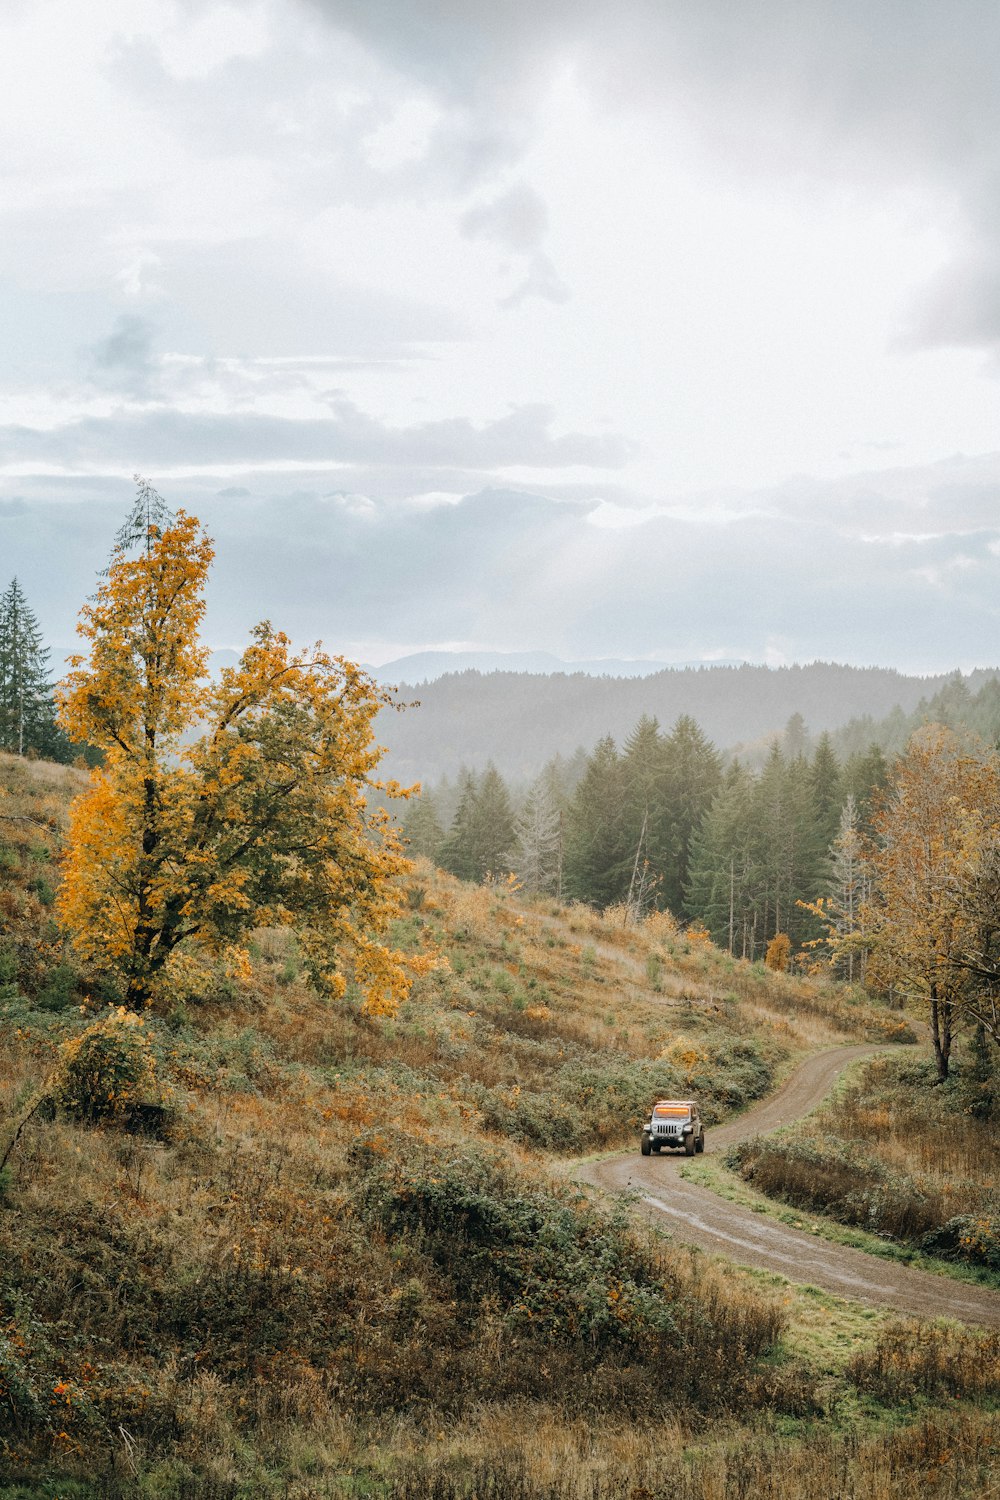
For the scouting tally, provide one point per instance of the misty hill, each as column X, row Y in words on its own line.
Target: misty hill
column 520, row 720
column 427, row 666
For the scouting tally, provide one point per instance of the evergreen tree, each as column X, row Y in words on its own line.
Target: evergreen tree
column 644, row 823
column 422, row 828
column 493, row 825
column 724, row 877
column 790, row 844
column 825, row 779
column 692, row 774
column 538, row 828
column 796, row 739
column 27, row 711
column 865, row 777
column 481, row 839
column 458, row 852
column 597, row 841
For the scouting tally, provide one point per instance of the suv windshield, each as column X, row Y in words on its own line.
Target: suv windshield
column 672, row 1111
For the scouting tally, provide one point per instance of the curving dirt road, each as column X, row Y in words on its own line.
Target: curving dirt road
column 702, row 1218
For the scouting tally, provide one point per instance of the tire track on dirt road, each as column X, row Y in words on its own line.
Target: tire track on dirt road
column 700, row 1217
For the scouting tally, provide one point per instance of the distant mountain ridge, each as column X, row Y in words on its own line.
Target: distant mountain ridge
column 428, row 666
column 519, row 720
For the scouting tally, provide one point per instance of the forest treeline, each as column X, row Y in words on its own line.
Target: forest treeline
column 883, row 872
column 519, row 721
column 664, row 823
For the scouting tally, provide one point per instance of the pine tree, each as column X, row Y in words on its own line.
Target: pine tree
column 538, row 850
column 724, row 877
column 598, row 850
column 692, row 774
column 866, row 777
column 422, row 828
column 27, row 711
column 458, row 852
column 493, row 825
column 645, row 830
column 825, row 779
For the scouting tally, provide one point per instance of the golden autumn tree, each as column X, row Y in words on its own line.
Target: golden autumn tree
column 221, row 805
column 938, row 817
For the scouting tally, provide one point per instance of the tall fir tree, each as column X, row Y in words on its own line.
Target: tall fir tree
column 692, row 774
column 458, row 852
column 644, row 827
column 494, row 825
column 481, row 840
column 422, row 828
column 27, row 711
column 724, row 877
column 598, row 846
column 538, row 848
column 825, row 778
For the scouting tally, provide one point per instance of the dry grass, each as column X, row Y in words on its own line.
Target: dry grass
column 894, row 1153
column 224, row 1311
column 950, row 1456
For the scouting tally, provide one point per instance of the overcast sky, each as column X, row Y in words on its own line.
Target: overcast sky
column 648, row 329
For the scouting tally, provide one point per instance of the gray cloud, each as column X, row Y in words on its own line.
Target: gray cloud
column 542, row 280
column 901, row 93
column 125, row 360
column 153, row 439
column 517, row 219
column 794, row 575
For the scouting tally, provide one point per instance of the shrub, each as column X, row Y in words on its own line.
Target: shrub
column 107, row 1070
column 60, row 990
column 831, row 1176
column 971, row 1237
column 559, row 1274
column 779, row 953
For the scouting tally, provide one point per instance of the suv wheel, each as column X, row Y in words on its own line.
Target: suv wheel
column 700, row 1143
column 689, row 1144
column 645, row 1148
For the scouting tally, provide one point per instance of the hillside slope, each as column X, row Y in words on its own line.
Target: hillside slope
column 327, row 1254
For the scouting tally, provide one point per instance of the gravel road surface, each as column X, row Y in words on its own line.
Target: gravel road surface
column 700, row 1217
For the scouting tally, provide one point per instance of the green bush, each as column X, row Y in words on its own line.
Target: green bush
column 969, row 1237
column 833, row 1176
column 60, row 989
column 107, row 1070
column 560, row 1274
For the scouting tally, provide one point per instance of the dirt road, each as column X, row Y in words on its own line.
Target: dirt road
column 700, row 1217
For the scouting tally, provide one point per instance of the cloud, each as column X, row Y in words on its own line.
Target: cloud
column 163, row 438
column 517, row 219
column 901, row 95
column 542, row 280
column 124, row 360
column 507, row 569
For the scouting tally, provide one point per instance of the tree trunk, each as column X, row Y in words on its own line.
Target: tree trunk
column 941, row 1034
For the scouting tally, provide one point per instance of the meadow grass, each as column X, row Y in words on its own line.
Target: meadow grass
column 343, row 1260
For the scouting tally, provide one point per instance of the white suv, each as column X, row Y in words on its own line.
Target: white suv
column 674, row 1123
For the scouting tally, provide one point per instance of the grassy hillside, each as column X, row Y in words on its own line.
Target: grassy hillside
column 321, row 1254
